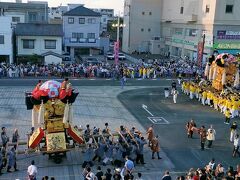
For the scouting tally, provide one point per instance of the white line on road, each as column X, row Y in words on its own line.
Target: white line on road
column 145, row 108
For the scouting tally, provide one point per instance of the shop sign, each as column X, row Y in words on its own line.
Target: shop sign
column 226, row 45
column 228, row 34
column 182, row 41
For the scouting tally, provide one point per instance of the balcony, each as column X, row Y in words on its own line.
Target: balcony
column 191, row 18
column 82, row 42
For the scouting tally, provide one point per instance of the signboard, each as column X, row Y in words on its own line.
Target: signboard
column 228, row 34
column 116, row 51
column 200, row 53
column 226, row 45
column 183, row 41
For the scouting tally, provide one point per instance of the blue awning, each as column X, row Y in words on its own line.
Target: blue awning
column 230, row 51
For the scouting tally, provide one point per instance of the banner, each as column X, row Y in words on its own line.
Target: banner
column 116, row 51
column 200, row 53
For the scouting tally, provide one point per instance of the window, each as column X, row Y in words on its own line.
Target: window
column 143, row 13
column 229, row 8
column 70, row 20
column 142, row 29
column 50, row 44
column 15, row 19
column 28, row 44
column 1, row 39
column 77, row 35
column 81, row 20
column 149, row 29
column 91, row 20
column 181, row 10
column 150, row 13
column 207, row 8
column 178, row 31
column 91, row 35
column 191, row 32
column 32, row 17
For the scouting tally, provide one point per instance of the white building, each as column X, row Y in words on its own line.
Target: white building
column 39, row 39
column 81, row 28
column 107, row 15
column 183, row 24
column 142, row 23
column 6, row 46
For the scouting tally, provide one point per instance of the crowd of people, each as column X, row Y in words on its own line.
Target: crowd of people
column 157, row 68
column 226, row 102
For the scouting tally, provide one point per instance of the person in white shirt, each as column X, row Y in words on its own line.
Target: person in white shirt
column 211, row 136
column 174, row 93
column 32, row 171
column 236, row 144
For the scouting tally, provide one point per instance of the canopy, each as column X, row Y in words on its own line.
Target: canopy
column 51, row 87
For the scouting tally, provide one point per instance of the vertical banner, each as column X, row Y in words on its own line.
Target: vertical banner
column 116, row 51
column 200, row 53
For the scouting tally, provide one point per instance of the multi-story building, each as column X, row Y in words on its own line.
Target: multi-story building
column 107, row 16
column 81, row 28
column 31, row 12
column 55, row 13
column 142, row 22
column 184, row 23
column 40, row 39
column 6, row 47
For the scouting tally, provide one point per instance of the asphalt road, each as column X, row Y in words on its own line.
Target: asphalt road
column 183, row 152
column 87, row 82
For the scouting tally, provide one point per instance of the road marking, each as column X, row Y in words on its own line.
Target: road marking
column 145, row 108
column 139, row 79
column 158, row 120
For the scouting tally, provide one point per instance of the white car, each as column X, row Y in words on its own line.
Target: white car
column 110, row 56
column 121, row 56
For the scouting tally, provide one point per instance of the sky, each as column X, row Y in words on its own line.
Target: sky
column 117, row 5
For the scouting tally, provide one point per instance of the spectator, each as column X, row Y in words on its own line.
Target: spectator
column 108, row 174
column 32, row 171
column 4, row 137
column 99, row 173
column 166, row 176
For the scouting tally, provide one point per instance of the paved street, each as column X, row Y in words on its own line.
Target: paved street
column 183, row 152
column 96, row 105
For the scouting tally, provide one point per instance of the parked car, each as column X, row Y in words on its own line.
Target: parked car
column 110, row 56
column 92, row 61
column 121, row 56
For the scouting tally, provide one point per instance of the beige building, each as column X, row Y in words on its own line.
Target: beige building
column 142, row 20
column 183, row 24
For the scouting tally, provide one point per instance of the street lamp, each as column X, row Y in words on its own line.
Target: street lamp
column 116, row 44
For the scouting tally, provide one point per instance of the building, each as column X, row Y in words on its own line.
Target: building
column 6, row 47
column 31, row 12
column 107, row 16
column 183, row 24
column 81, row 28
column 40, row 39
column 142, row 23
column 55, row 13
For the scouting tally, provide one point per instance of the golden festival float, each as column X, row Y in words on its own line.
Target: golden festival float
column 52, row 116
column 223, row 71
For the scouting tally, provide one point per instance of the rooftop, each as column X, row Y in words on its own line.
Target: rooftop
column 30, row 29
column 81, row 11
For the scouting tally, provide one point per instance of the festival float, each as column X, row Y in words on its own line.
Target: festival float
column 52, row 116
column 223, row 71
